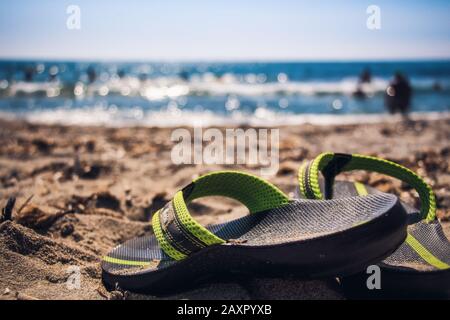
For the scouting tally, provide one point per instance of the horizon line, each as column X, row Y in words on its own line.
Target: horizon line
column 242, row 60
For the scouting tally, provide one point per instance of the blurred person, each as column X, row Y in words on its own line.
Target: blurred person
column 437, row 86
column 92, row 75
column 364, row 77
column 121, row 73
column 359, row 92
column 184, row 75
column 143, row 77
column 398, row 95
column 29, row 72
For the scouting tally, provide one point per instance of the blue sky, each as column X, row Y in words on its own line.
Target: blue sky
column 224, row 30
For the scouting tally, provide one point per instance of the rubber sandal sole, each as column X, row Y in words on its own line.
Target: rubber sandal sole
column 419, row 268
column 299, row 239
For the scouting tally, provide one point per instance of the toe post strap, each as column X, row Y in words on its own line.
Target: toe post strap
column 331, row 164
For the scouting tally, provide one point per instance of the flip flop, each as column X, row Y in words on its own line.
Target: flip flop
column 279, row 236
column 420, row 267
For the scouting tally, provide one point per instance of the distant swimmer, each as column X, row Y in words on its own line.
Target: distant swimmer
column 398, row 94
column 92, row 75
column 184, row 75
column 143, row 77
column 29, row 73
column 359, row 92
column 364, row 78
column 437, row 86
column 121, row 73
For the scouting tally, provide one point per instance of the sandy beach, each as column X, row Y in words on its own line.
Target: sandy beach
column 80, row 191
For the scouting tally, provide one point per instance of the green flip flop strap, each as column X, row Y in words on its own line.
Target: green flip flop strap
column 331, row 164
column 180, row 235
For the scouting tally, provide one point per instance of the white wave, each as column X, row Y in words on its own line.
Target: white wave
column 207, row 84
column 346, row 86
column 177, row 117
column 51, row 89
column 172, row 87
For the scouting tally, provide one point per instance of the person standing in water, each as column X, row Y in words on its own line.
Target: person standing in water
column 29, row 73
column 364, row 78
column 92, row 75
column 398, row 95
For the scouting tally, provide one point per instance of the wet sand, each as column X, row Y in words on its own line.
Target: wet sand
column 82, row 190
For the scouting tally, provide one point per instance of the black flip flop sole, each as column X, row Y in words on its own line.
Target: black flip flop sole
column 404, row 274
column 301, row 241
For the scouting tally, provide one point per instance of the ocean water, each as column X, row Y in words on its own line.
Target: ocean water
column 166, row 94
